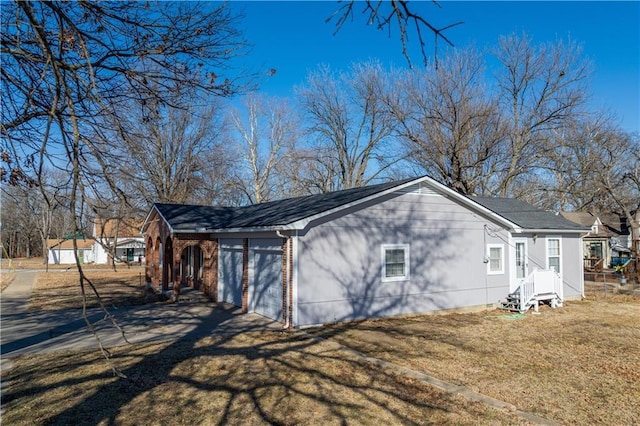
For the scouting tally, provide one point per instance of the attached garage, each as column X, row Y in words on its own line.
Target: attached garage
column 266, row 278
column 230, row 272
column 370, row 252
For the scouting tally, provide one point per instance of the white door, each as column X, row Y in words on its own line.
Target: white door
column 521, row 260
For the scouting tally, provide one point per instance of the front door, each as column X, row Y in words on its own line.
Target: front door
column 521, row 260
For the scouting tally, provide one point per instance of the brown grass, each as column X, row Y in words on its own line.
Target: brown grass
column 247, row 379
column 56, row 290
column 5, row 279
column 39, row 264
column 576, row 365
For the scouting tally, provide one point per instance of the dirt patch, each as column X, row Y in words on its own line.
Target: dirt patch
column 579, row 364
column 248, row 379
column 57, row 290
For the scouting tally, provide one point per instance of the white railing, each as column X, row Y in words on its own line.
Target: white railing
column 540, row 282
column 527, row 291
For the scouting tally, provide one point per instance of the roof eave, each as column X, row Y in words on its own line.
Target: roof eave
column 275, row 228
column 555, row 230
column 435, row 185
column 143, row 229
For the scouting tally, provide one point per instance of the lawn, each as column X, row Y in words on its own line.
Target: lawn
column 57, row 289
column 579, row 364
column 247, row 379
column 5, row 280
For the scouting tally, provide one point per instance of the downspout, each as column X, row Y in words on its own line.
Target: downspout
column 285, row 306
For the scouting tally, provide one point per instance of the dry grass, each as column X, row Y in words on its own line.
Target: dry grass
column 247, row 379
column 575, row 365
column 5, row 280
column 56, row 290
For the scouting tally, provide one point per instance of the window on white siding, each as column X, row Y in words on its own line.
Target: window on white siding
column 395, row 262
column 553, row 254
column 495, row 254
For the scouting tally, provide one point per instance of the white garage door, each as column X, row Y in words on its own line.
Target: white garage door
column 266, row 295
column 230, row 279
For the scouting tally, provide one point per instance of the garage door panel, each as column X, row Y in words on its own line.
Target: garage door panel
column 267, row 288
column 231, row 276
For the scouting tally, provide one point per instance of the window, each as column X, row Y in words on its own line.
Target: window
column 553, row 254
column 595, row 250
column 395, row 262
column 495, row 254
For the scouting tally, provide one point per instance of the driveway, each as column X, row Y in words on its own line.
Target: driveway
column 23, row 332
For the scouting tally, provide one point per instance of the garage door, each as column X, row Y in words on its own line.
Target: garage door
column 266, row 294
column 230, row 279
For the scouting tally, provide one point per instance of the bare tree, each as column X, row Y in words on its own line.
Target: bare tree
column 542, row 88
column 161, row 153
column 384, row 14
column 267, row 134
column 450, row 127
column 618, row 174
column 19, row 223
column 66, row 64
column 349, row 119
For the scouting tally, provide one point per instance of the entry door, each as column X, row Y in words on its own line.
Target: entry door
column 521, row 265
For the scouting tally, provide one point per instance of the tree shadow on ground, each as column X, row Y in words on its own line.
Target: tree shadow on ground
column 237, row 377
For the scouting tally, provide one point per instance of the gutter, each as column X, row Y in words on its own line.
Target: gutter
column 556, row 231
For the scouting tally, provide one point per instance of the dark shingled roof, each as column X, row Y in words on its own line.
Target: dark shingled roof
column 525, row 215
column 189, row 218
column 194, row 218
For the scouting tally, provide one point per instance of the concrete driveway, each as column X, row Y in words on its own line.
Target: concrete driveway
column 23, row 332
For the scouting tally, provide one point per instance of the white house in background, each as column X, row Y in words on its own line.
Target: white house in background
column 60, row 252
column 124, row 234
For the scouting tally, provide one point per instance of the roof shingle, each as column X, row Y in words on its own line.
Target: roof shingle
column 525, row 215
column 197, row 218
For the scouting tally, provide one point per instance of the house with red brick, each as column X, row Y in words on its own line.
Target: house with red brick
column 403, row 247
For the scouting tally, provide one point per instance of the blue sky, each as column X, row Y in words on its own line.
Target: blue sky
column 293, row 38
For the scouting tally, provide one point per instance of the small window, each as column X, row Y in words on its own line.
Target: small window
column 553, row 254
column 395, row 262
column 495, row 254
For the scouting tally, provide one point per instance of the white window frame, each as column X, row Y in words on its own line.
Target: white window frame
column 497, row 271
column 407, row 265
column 559, row 256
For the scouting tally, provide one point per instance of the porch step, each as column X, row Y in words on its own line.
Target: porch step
column 193, row 296
column 512, row 302
column 188, row 295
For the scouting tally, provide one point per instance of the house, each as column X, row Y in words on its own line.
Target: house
column 123, row 235
column 62, row 251
column 410, row 246
column 608, row 240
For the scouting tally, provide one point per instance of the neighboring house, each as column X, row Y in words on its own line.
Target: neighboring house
column 124, row 234
column 61, row 251
column 608, row 240
column 404, row 247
